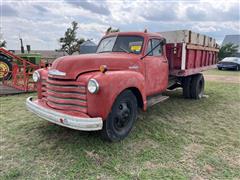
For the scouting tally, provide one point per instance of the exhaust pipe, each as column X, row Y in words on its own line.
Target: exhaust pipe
column 22, row 47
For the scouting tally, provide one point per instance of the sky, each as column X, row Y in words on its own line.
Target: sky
column 42, row 23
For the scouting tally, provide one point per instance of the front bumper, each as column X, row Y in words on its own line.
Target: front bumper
column 73, row 122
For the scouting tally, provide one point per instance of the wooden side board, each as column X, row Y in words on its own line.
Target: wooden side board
column 197, row 47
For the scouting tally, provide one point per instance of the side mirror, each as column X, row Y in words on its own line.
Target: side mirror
column 164, row 41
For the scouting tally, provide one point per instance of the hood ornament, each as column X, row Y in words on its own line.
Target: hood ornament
column 56, row 72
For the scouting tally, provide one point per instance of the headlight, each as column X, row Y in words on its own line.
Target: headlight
column 36, row 76
column 93, row 86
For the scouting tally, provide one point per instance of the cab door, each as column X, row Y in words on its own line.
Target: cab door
column 156, row 68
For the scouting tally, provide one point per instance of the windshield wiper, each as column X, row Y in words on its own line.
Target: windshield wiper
column 124, row 49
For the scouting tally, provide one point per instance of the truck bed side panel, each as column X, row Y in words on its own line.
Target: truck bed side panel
column 196, row 60
column 189, row 53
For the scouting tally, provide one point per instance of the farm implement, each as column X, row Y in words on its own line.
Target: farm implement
column 16, row 70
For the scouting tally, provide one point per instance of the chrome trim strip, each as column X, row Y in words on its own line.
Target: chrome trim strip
column 56, row 72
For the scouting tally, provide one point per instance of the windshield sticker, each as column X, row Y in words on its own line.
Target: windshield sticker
column 135, row 48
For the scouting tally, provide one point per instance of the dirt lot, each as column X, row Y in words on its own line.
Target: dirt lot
column 221, row 78
column 177, row 139
column 225, row 76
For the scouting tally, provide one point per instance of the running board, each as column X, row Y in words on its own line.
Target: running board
column 152, row 100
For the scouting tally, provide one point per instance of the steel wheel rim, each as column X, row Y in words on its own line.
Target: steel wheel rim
column 123, row 116
column 4, row 69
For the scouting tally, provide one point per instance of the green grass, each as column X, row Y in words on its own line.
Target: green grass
column 222, row 72
column 177, row 139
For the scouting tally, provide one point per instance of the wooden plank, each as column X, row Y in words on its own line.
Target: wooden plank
column 184, row 51
column 197, row 47
column 190, row 37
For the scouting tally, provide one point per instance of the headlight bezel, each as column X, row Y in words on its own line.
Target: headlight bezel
column 36, row 76
column 92, row 83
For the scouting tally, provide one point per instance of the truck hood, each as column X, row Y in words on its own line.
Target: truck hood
column 72, row 66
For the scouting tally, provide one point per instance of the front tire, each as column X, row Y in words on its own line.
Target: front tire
column 121, row 118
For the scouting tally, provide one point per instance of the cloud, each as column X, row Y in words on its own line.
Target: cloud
column 42, row 23
column 161, row 12
column 93, row 6
column 7, row 10
column 40, row 8
column 196, row 14
column 212, row 13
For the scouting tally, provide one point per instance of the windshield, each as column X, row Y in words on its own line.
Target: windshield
column 128, row 44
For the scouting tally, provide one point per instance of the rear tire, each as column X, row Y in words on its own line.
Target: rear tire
column 186, row 85
column 121, row 118
column 197, row 86
column 5, row 65
column 219, row 68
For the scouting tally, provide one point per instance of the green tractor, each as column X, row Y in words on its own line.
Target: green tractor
column 7, row 61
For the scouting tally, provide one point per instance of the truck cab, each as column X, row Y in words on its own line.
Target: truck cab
column 103, row 91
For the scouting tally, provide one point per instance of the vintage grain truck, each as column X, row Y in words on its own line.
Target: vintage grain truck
column 130, row 70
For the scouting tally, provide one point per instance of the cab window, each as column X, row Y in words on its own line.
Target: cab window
column 153, row 43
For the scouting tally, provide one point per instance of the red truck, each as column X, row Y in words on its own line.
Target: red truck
column 130, row 70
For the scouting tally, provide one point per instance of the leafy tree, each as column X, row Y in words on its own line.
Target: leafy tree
column 111, row 30
column 227, row 50
column 70, row 43
column 3, row 43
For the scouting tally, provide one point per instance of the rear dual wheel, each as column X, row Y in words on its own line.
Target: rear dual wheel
column 197, row 88
column 121, row 118
column 186, row 85
column 193, row 86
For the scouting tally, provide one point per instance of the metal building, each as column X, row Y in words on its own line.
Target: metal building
column 88, row 47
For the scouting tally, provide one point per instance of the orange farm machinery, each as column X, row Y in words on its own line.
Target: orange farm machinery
column 16, row 70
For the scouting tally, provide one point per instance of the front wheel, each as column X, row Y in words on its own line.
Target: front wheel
column 121, row 118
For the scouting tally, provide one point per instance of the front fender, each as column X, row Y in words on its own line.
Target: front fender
column 112, row 83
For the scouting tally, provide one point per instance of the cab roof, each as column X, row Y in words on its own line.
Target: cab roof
column 143, row 34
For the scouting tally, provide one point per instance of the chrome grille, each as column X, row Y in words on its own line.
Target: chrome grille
column 65, row 94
